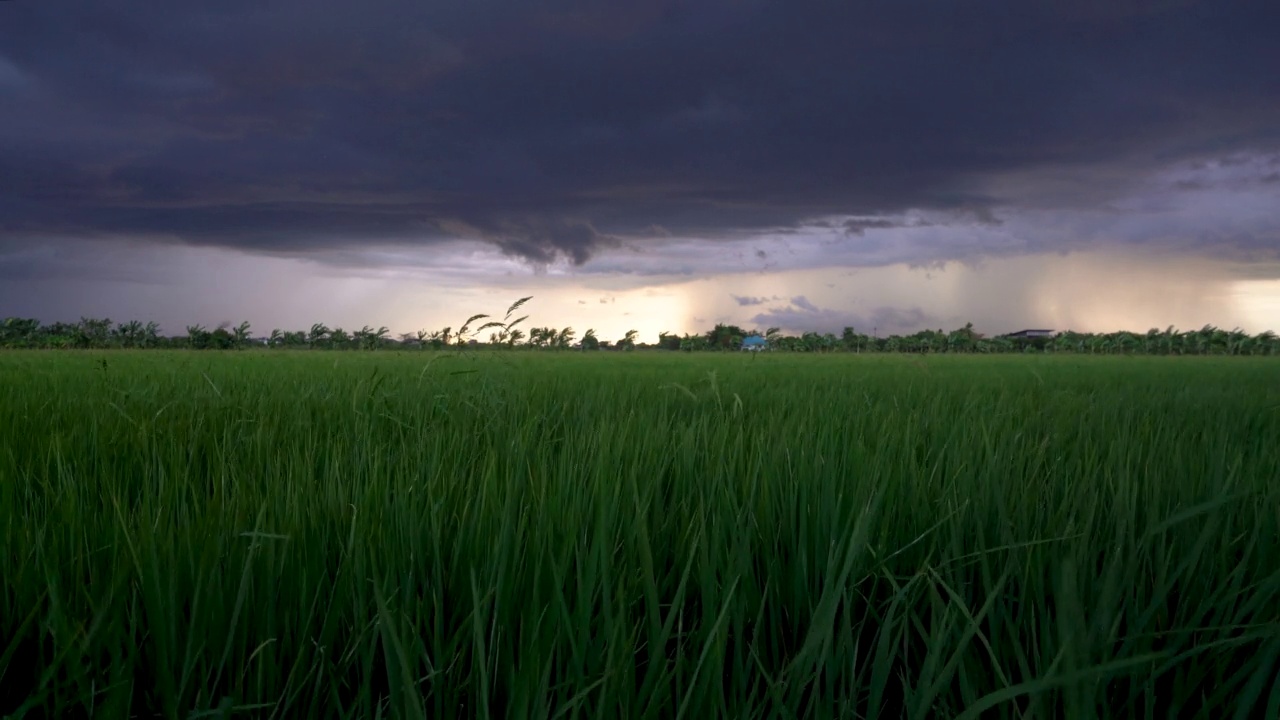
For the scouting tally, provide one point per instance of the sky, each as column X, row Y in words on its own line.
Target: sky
column 891, row 165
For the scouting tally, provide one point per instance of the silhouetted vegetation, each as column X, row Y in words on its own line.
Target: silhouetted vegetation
column 102, row 333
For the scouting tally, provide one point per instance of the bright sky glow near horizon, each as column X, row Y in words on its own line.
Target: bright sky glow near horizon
column 654, row 166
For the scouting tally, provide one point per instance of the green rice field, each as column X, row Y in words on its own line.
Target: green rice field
column 638, row 535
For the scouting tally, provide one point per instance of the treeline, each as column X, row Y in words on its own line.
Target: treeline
column 1208, row 340
column 102, row 333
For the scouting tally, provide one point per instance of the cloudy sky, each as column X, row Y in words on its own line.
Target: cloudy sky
column 891, row 164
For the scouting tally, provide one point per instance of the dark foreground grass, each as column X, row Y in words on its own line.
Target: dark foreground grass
column 642, row 536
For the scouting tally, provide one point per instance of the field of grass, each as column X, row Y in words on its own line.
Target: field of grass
column 641, row 535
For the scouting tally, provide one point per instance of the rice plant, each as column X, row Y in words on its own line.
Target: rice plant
column 298, row 534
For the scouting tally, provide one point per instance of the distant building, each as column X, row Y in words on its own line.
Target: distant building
column 754, row 343
column 1030, row 334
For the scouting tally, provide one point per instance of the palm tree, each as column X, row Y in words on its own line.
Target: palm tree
column 725, row 337
column 1235, row 341
column 132, row 333
column 1268, row 343
column 127, row 334
column 590, row 341
column 151, row 334
column 58, row 335
column 848, row 338
column 371, row 339
column 690, row 343
column 669, row 341
column 92, row 332
column 319, row 333
column 241, row 334
column 339, row 338
column 1069, row 341
column 1127, row 342
column 963, row 340
column 440, row 338
column 197, row 336
column 20, row 332
column 628, row 341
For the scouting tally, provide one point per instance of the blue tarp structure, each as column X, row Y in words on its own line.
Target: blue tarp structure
column 755, row 341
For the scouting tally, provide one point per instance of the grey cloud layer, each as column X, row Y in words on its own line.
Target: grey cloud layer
column 801, row 315
column 750, row 301
column 555, row 130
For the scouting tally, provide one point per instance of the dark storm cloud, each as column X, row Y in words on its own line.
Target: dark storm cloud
column 953, row 217
column 551, row 130
column 749, row 301
column 803, row 303
column 801, row 315
column 45, row 262
column 860, row 227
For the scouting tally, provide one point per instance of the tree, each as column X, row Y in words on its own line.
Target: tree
column 92, row 332
column 241, row 334
column 221, row 339
column 725, row 337
column 1268, row 343
column 440, row 338
column 127, row 334
column 564, row 338
column 151, row 334
column 20, row 332
column 849, row 338
column 369, row 339
column 540, row 337
column 197, row 337
column 318, row 335
column 1069, row 342
column 690, row 343
column 963, row 339
column 102, row 333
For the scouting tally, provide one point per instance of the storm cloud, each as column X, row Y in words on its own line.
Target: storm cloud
column 749, row 300
column 553, row 131
column 801, row 315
